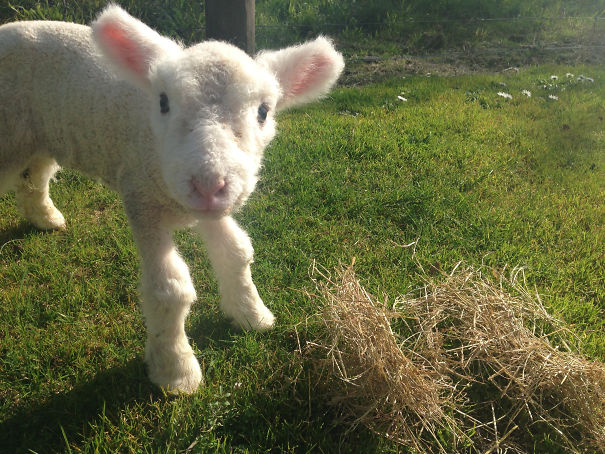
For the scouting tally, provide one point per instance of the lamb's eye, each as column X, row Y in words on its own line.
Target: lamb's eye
column 164, row 107
column 263, row 109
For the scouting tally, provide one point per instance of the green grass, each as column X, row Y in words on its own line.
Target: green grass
column 386, row 28
column 464, row 172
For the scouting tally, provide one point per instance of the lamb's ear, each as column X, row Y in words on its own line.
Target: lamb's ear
column 130, row 45
column 305, row 72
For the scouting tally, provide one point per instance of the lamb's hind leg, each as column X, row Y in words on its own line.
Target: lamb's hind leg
column 33, row 197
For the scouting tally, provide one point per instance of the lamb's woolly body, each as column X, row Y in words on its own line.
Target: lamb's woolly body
column 178, row 132
column 83, row 121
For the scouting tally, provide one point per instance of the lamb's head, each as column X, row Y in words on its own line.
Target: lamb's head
column 212, row 106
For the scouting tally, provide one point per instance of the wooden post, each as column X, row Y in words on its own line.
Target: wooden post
column 232, row 21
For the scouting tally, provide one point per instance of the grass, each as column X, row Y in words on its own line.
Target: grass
column 490, row 33
column 459, row 171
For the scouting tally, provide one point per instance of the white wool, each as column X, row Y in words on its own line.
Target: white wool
column 178, row 132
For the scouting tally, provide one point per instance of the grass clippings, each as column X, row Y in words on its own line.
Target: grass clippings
column 472, row 364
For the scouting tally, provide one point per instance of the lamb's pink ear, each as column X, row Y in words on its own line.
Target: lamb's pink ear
column 129, row 45
column 305, row 72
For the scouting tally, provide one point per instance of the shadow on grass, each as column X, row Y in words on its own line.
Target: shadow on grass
column 39, row 428
column 44, row 426
column 12, row 236
column 212, row 331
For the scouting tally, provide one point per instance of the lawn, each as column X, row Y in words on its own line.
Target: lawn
column 445, row 163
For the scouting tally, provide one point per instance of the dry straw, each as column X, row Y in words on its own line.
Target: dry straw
column 413, row 372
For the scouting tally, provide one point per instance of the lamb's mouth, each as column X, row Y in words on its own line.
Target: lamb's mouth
column 212, row 214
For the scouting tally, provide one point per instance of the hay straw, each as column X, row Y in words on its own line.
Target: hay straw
column 493, row 337
column 388, row 389
column 463, row 332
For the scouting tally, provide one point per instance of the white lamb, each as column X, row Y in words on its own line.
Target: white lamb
column 178, row 132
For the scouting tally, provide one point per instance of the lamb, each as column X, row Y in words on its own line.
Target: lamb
column 178, row 131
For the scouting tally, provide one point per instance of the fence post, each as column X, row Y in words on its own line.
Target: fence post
column 232, row 21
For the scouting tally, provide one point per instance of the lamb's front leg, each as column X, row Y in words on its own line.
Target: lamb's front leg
column 231, row 253
column 167, row 294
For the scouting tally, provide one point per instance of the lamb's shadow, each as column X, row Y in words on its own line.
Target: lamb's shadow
column 44, row 427
column 212, row 331
column 11, row 236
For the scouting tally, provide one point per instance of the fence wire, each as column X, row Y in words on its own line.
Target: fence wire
column 436, row 20
column 500, row 35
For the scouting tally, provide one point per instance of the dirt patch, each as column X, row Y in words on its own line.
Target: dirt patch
column 364, row 70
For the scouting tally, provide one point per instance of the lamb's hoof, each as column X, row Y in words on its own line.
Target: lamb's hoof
column 52, row 221
column 258, row 319
column 177, row 375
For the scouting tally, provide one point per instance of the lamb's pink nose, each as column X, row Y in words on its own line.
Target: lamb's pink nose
column 210, row 197
column 210, row 191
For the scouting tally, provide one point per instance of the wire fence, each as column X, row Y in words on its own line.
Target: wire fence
column 360, row 37
column 327, row 25
column 582, row 36
column 440, row 20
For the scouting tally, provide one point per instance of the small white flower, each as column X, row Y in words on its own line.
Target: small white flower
column 553, row 77
column 505, row 95
column 583, row 78
column 527, row 93
column 569, row 75
column 556, row 98
column 401, row 98
column 502, row 84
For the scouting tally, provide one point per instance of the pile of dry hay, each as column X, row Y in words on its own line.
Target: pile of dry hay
column 468, row 367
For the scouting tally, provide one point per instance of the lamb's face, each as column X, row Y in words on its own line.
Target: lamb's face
column 212, row 116
column 212, row 106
